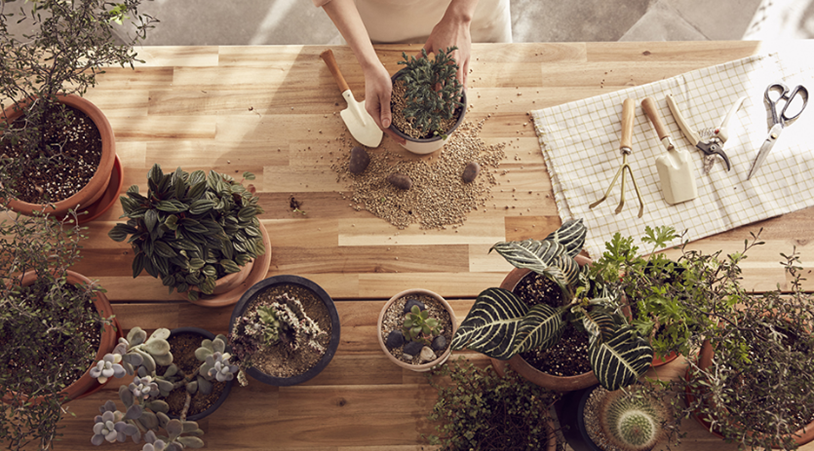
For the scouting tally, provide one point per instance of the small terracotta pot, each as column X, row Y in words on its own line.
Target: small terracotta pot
column 424, row 366
column 518, row 364
column 97, row 185
column 85, row 385
column 801, row 437
column 663, row 360
column 230, row 288
column 426, row 146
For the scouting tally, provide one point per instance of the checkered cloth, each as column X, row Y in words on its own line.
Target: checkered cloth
column 580, row 143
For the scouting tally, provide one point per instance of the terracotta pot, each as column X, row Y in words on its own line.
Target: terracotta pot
column 663, row 360
column 801, row 437
column 245, row 300
column 85, row 385
column 518, row 364
column 230, row 288
column 226, row 390
column 427, row 145
column 424, row 366
column 98, row 184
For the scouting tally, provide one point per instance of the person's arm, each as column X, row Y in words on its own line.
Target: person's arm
column 453, row 30
column 378, row 87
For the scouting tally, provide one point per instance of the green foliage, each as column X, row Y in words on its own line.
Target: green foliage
column 44, row 327
column 477, row 409
column 631, row 420
column 432, row 90
column 68, row 44
column 418, row 326
column 190, row 229
column 757, row 389
column 501, row 325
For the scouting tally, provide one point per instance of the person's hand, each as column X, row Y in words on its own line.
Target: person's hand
column 452, row 31
column 378, row 90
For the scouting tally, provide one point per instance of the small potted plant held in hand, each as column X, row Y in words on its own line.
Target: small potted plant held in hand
column 198, row 233
column 415, row 329
column 428, row 101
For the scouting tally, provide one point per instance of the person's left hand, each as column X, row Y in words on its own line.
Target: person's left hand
column 448, row 33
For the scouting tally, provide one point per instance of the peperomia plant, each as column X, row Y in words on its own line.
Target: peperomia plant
column 432, row 90
column 501, row 325
column 191, row 229
column 145, row 412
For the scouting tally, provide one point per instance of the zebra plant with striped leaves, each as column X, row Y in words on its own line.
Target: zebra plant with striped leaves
column 501, row 325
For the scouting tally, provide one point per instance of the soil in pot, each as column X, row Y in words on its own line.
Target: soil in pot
column 79, row 152
column 183, row 347
column 394, row 318
column 280, row 360
column 404, row 124
column 569, row 356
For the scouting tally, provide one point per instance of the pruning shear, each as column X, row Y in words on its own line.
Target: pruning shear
column 714, row 145
column 779, row 121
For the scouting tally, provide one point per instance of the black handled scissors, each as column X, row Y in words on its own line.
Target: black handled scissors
column 780, row 120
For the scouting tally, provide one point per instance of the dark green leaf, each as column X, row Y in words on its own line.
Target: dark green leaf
column 620, row 361
column 540, row 328
column 571, row 235
column 492, row 323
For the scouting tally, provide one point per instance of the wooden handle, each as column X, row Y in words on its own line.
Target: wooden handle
column 328, row 57
column 651, row 110
column 628, row 114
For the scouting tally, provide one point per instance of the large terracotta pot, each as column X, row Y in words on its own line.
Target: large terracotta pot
column 230, row 288
column 95, row 189
column 85, row 385
column 518, row 364
column 424, row 366
column 801, row 437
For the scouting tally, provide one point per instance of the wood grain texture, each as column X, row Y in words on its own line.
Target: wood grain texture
column 273, row 111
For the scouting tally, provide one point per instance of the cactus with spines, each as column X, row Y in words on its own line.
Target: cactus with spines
column 145, row 412
column 624, row 420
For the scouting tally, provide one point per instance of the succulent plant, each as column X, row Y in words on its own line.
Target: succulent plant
column 624, row 420
column 190, row 229
column 418, row 326
column 141, row 356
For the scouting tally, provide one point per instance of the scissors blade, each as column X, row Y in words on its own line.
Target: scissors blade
column 774, row 133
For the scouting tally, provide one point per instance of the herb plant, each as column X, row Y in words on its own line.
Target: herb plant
column 191, row 229
column 477, row 409
column 145, row 413
column 432, row 90
column 46, row 329
column 501, row 325
column 67, row 45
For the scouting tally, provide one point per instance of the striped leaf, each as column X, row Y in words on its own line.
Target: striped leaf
column 541, row 328
column 541, row 257
column 620, row 361
column 571, row 235
column 491, row 325
column 570, row 269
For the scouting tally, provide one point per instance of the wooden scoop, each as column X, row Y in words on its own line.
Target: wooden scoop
column 357, row 119
column 675, row 168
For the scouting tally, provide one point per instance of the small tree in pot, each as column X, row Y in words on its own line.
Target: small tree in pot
column 66, row 45
column 190, row 229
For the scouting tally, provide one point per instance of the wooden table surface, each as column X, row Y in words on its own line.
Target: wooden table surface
column 273, row 111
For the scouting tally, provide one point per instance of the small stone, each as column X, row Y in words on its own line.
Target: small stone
column 359, row 159
column 394, row 339
column 439, row 343
column 408, row 306
column 427, row 355
column 412, row 348
column 471, row 171
column 400, row 181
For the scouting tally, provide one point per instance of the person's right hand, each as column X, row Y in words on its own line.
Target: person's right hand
column 378, row 91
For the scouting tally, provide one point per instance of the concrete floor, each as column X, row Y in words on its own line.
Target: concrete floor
column 241, row 22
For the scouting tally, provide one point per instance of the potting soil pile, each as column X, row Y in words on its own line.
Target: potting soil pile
column 580, row 142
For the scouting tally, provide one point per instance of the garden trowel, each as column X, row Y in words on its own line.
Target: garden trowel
column 675, row 167
column 357, row 119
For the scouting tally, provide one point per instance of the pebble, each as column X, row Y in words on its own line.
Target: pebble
column 411, row 302
column 400, row 181
column 359, row 159
column 412, row 348
column 427, row 355
column 471, row 171
column 395, row 339
column 439, row 343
